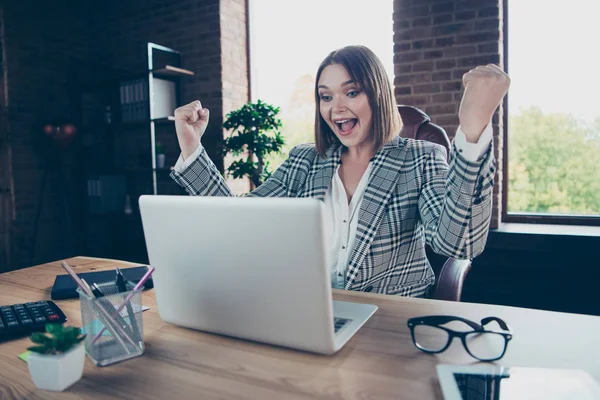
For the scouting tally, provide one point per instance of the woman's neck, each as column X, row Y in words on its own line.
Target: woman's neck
column 358, row 155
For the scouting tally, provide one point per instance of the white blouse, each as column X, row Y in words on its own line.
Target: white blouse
column 341, row 220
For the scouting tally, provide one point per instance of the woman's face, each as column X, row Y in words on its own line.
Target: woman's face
column 345, row 107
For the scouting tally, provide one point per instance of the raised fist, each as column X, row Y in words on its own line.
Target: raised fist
column 191, row 121
column 485, row 87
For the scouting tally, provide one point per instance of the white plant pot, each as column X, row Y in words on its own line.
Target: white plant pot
column 57, row 372
column 160, row 161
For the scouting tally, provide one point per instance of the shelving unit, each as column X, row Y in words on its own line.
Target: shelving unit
column 164, row 64
column 124, row 115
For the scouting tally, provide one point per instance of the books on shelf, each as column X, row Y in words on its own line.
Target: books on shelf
column 134, row 100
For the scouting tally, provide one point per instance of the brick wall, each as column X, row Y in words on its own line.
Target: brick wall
column 435, row 43
column 44, row 45
column 52, row 49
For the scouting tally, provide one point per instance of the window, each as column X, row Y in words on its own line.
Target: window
column 553, row 124
column 288, row 41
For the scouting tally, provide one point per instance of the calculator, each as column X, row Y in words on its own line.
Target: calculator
column 18, row 320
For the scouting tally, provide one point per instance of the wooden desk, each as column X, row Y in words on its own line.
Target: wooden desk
column 380, row 362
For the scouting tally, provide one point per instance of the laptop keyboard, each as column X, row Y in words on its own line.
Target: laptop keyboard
column 339, row 323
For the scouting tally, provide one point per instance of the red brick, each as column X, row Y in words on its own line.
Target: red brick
column 488, row 12
column 445, row 41
column 403, row 90
column 442, row 7
column 441, row 98
column 402, row 47
column 441, row 76
column 427, row 88
column 408, row 57
column 421, row 21
column 423, row 66
column 472, row 62
column 451, row 86
column 443, row 19
column 402, row 69
column 487, row 24
column 459, row 51
column 480, row 37
column 428, row 55
column 465, row 15
column 492, row 47
column 445, row 64
column 422, row 44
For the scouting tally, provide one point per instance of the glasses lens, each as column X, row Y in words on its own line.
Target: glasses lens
column 485, row 345
column 430, row 338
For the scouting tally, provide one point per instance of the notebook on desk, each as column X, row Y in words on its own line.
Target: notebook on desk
column 252, row 268
column 65, row 288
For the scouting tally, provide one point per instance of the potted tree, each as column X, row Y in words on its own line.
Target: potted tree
column 57, row 359
column 255, row 132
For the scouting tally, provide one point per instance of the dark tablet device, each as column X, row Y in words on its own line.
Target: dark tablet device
column 65, row 288
column 494, row 382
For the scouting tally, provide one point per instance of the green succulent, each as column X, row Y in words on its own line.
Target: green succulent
column 57, row 339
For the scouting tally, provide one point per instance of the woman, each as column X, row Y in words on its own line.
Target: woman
column 386, row 196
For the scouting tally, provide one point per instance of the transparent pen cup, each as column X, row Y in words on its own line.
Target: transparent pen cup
column 113, row 325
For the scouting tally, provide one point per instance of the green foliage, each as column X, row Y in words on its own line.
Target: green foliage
column 554, row 164
column 57, row 339
column 255, row 132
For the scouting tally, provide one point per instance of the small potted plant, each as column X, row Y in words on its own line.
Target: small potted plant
column 57, row 359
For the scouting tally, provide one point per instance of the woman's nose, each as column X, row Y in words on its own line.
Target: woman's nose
column 338, row 103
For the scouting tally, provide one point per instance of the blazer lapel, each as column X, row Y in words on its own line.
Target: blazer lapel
column 322, row 174
column 387, row 165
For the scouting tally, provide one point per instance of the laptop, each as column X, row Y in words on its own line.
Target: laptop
column 250, row 268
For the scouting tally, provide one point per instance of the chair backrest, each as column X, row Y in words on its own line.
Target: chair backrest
column 450, row 273
column 418, row 125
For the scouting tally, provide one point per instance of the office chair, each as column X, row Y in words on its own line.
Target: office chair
column 450, row 273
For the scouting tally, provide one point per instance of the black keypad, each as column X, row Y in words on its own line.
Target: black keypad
column 22, row 319
column 339, row 323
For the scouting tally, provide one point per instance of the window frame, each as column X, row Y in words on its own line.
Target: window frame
column 524, row 217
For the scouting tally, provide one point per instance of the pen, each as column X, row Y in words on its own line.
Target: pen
column 96, row 290
column 109, row 305
column 122, row 287
column 109, row 321
column 120, row 281
column 128, row 298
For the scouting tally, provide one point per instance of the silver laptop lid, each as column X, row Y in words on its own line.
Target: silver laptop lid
column 253, row 268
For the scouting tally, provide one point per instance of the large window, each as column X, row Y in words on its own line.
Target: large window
column 289, row 39
column 553, row 112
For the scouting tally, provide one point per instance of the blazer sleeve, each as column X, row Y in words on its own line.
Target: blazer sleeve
column 202, row 178
column 455, row 202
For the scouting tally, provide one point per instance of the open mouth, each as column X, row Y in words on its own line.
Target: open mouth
column 345, row 126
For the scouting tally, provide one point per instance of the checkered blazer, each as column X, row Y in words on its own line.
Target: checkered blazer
column 413, row 197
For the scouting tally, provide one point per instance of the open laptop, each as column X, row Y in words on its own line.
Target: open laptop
column 252, row 268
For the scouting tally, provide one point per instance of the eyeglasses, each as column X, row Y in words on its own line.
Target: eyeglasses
column 485, row 345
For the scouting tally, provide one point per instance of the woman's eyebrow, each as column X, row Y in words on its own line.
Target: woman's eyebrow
column 350, row 82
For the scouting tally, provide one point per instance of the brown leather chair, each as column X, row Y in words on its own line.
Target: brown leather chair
column 450, row 273
column 418, row 125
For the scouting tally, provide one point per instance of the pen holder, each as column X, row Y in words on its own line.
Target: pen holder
column 112, row 336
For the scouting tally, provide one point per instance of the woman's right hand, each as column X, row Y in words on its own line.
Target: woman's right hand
column 191, row 121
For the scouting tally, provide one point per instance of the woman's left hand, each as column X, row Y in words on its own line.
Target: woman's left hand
column 485, row 87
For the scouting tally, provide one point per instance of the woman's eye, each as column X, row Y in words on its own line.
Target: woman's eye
column 353, row 93
column 325, row 97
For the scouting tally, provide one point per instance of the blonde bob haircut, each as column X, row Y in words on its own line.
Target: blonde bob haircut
column 367, row 71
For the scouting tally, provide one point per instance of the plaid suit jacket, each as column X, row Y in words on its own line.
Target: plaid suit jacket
column 413, row 197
